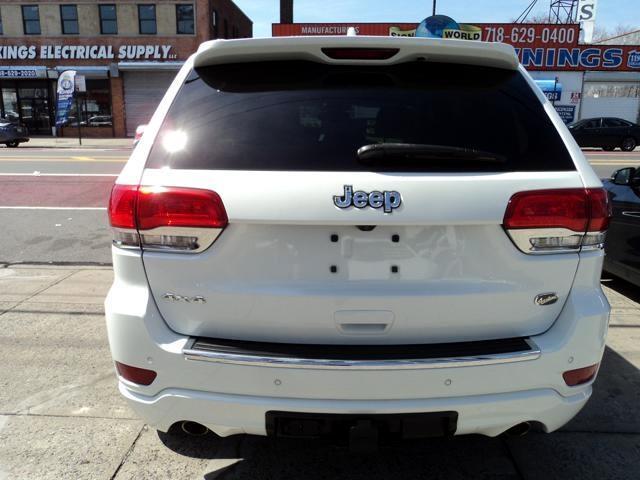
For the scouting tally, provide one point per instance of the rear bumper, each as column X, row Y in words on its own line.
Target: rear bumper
column 234, row 414
column 232, row 398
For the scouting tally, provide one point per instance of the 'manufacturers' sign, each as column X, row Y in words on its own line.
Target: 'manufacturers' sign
column 86, row 52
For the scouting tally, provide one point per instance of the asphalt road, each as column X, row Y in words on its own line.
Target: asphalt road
column 52, row 201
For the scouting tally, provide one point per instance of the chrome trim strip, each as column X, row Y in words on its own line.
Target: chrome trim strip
column 191, row 353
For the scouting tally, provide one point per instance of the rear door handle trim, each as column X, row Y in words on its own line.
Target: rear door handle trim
column 632, row 213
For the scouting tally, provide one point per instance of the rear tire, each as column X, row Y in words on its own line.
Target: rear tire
column 628, row 144
column 609, row 149
column 13, row 144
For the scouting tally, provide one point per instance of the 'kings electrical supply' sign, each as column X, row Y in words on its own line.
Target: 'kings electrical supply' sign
column 86, row 52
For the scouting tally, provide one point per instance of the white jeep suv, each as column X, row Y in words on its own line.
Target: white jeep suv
column 360, row 238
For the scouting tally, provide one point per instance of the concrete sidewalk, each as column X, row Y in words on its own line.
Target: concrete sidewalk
column 62, row 417
column 52, row 142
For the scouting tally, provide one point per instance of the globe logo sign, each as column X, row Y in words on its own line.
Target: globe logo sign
column 66, row 84
column 441, row 26
column 434, row 26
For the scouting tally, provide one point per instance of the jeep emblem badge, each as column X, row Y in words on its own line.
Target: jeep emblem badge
column 387, row 200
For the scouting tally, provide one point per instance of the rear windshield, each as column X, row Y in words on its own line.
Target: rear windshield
column 305, row 116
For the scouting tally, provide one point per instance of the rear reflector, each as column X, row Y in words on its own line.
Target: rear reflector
column 580, row 376
column 360, row 53
column 141, row 376
column 561, row 220
column 166, row 218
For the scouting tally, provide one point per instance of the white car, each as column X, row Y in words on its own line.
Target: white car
column 363, row 238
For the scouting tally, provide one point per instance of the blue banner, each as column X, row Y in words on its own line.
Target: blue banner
column 66, row 87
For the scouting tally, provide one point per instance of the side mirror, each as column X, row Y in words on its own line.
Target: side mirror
column 623, row 176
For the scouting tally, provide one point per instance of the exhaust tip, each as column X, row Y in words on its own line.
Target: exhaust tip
column 194, row 429
column 519, row 430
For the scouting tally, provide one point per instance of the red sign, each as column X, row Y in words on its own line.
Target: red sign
column 539, row 46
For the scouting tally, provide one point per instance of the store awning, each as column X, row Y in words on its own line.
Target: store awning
column 97, row 71
column 150, row 65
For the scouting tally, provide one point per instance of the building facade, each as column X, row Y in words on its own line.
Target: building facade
column 582, row 80
column 128, row 52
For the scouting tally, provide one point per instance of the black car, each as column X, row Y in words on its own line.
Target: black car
column 623, row 237
column 606, row 133
column 12, row 133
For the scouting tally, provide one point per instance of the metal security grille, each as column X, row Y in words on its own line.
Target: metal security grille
column 613, row 99
column 142, row 94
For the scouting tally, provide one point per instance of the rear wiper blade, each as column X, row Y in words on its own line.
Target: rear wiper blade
column 421, row 151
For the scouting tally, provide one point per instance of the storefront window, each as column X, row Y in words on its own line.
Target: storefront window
column 95, row 106
column 34, row 107
column 10, row 104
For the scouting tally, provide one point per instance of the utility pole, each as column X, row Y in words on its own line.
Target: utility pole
column 434, row 7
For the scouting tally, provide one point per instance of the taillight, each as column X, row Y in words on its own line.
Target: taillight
column 141, row 376
column 580, row 376
column 179, row 207
column 122, row 206
column 557, row 221
column 166, row 218
column 360, row 53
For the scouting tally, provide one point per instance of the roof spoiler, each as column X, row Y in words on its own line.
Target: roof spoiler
column 497, row 55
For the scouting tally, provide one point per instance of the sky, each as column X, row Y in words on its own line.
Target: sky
column 610, row 13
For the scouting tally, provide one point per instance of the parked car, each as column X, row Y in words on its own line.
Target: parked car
column 100, row 121
column 607, row 133
column 139, row 131
column 623, row 237
column 12, row 133
column 360, row 238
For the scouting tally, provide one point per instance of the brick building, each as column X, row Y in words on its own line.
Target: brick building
column 127, row 51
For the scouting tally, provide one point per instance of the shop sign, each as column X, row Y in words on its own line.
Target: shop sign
column 567, row 112
column 399, row 32
column 17, row 72
column 575, row 97
column 552, row 89
column 66, row 87
column 633, row 60
column 539, row 46
column 587, row 18
column 86, row 52
column 517, row 34
column 441, row 26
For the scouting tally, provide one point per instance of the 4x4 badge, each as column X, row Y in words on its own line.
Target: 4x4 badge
column 387, row 200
